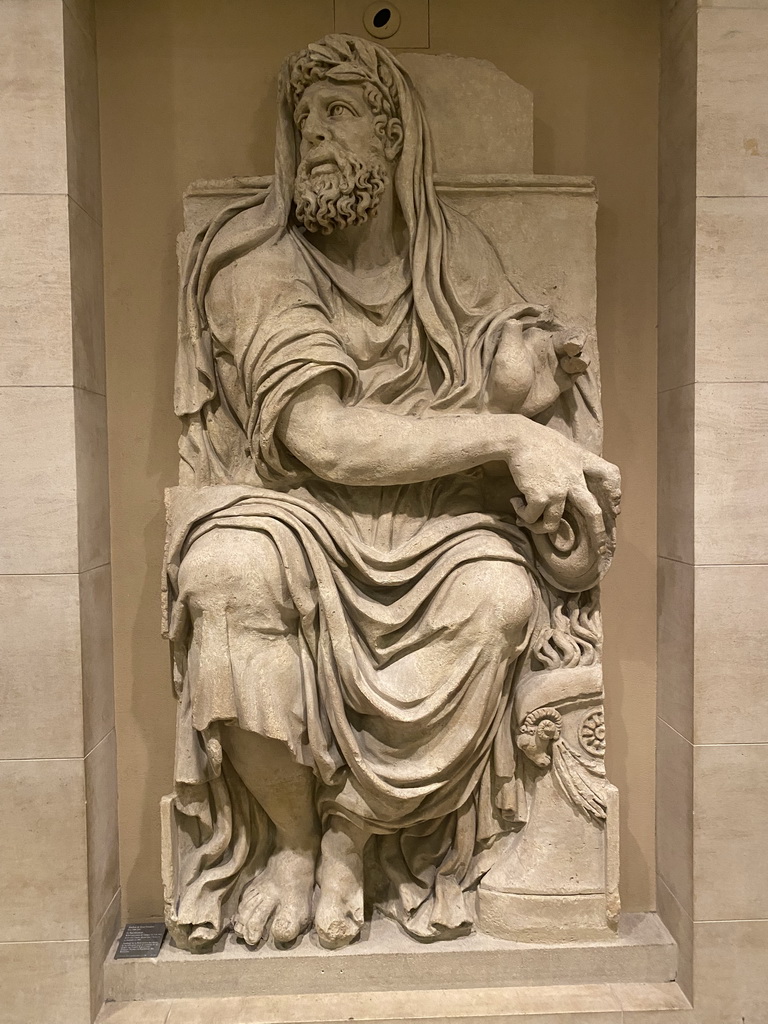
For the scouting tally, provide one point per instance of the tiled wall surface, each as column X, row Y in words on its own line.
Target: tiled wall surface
column 58, row 795
column 713, row 541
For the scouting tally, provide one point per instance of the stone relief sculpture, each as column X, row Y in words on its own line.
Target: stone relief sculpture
column 383, row 556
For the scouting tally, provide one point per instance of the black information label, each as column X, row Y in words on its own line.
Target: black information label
column 140, row 940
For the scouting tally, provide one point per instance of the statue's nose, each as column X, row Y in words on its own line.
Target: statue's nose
column 314, row 131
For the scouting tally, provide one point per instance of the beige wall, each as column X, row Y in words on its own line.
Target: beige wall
column 186, row 90
column 712, row 765
column 59, row 876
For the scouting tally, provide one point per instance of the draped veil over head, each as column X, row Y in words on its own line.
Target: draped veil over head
column 459, row 287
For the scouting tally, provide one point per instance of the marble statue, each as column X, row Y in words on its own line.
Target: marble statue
column 383, row 557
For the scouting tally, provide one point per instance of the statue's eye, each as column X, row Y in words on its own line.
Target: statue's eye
column 338, row 110
column 301, row 122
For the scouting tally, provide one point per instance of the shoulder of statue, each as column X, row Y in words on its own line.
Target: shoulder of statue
column 254, row 273
column 252, row 286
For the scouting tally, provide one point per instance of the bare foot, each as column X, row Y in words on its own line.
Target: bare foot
column 278, row 902
column 201, row 938
column 339, row 913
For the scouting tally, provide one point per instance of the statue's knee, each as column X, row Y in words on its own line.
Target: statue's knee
column 513, row 601
column 230, row 568
column 496, row 598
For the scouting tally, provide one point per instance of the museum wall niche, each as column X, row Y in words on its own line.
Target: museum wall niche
column 188, row 95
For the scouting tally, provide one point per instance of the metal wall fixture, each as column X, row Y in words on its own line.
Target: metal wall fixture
column 381, row 20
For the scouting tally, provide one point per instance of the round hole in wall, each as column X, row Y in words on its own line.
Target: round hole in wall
column 381, row 20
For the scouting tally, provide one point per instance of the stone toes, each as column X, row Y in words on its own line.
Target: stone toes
column 338, row 932
column 251, row 893
column 251, row 919
column 240, row 920
column 257, row 923
column 288, row 924
column 334, row 937
column 201, row 937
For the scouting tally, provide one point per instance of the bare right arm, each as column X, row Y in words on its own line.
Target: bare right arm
column 361, row 446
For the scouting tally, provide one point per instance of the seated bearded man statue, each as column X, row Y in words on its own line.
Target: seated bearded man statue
column 349, row 612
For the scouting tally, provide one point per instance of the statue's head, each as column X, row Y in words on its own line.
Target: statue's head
column 350, row 132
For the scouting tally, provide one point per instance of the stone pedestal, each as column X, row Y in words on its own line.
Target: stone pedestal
column 537, row 1004
column 559, row 878
column 477, row 978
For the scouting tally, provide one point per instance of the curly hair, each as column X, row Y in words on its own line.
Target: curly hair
column 345, row 59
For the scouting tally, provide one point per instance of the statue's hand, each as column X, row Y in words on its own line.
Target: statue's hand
column 536, row 360
column 569, row 345
column 550, row 470
column 557, row 356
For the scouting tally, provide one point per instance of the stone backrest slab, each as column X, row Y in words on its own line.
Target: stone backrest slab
column 480, row 120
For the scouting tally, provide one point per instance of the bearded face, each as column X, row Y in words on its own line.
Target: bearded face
column 334, row 189
column 346, row 161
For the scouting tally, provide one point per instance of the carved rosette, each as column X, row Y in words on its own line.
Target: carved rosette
column 592, row 733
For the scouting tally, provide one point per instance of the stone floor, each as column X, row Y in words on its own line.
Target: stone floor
column 643, row 1003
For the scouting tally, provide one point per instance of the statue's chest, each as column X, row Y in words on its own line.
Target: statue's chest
column 382, row 340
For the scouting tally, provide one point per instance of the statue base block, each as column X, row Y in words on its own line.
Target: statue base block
column 545, row 919
column 641, row 952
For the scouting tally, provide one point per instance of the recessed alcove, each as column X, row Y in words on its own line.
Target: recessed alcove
column 110, row 111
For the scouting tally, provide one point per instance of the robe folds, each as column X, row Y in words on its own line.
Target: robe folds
column 364, row 566
column 423, row 759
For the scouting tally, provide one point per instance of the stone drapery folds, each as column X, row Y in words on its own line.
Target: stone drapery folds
column 392, row 686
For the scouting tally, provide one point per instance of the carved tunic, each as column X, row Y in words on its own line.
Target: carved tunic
column 371, row 559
